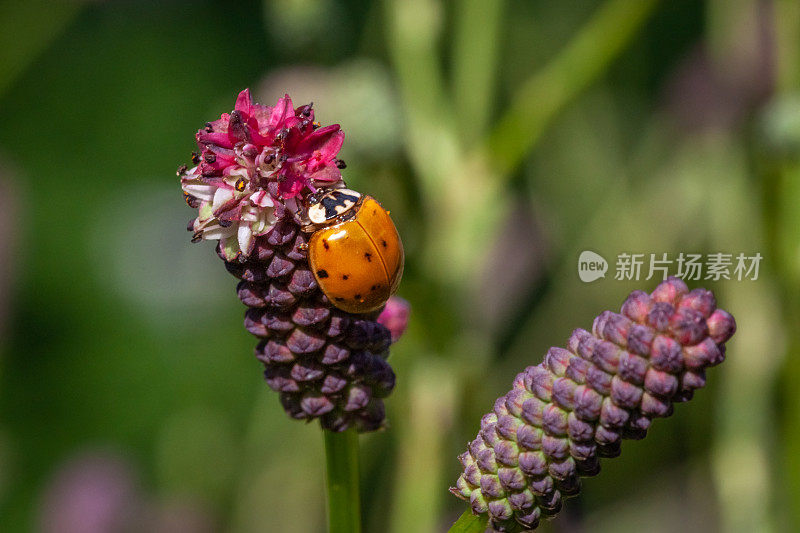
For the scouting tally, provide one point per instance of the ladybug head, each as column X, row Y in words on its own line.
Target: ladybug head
column 329, row 205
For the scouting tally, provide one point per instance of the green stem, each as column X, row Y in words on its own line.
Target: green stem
column 344, row 502
column 585, row 58
column 469, row 523
column 475, row 51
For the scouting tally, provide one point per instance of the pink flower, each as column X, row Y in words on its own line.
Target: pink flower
column 253, row 165
column 395, row 316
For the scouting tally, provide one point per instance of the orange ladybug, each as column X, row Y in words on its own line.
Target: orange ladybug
column 355, row 251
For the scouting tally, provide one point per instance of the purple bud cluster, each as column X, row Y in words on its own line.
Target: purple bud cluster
column 325, row 363
column 564, row 414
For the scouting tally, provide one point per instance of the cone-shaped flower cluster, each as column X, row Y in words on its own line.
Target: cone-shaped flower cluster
column 257, row 165
column 562, row 415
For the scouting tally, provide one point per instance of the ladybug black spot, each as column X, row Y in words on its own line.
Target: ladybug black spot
column 325, row 244
column 322, row 274
column 358, row 297
column 383, row 243
column 374, row 287
column 368, row 256
column 345, row 277
column 339, row 299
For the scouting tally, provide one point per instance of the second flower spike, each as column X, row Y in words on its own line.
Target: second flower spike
column 564, row 414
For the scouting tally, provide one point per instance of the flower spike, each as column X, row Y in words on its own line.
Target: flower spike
column 563, row 415
column 256, row 166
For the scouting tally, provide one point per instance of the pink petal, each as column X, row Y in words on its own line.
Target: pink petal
column 244, row 102
column 282, row 110
column 219, row 138
column 332, row 146
column 327, row 140
column 328, row 174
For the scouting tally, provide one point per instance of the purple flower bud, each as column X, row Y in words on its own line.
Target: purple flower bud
column 507, row 426
column 280, row 267
column 661, row 383
column 612, row 416
column 506, row 452
column 491, row 487
column 659, row 315
column 500, row 510
column 637, row 306
column 279, row 379
column 616, row 328
column 303, row 341
column 721, row 326
column 316, row 404
column 669, row 291
column 554, row 420
column 332, row 384
column 561, row 470
column 606, row 356
column 533, row 464
column 624, row 394
column 577, row 369
column 688, row 326
column 530, row 437
column 666, row 354
column 529, row 519
column 564, row 391
column 579, row 430
column 557, row 360
column 705, row 354
column 307, row 371
column 555, row 448
column 640, row 339
column 700, row 300
column 632, row 368
column 521, row 500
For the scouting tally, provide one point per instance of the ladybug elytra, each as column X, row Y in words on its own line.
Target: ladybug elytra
column 355, row 251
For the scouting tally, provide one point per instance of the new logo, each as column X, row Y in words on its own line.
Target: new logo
column 591, row 266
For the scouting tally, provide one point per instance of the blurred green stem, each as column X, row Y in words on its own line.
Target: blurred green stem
column 781, row 181
column 787, row 40
column 423, row 426
column 344, row 502
column 540, row 99
column 475, row 64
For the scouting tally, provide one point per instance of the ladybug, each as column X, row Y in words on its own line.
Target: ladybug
column 355, row 251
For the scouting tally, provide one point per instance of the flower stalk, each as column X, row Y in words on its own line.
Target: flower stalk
column 342, row 483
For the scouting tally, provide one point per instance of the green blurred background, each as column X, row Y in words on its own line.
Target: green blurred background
column 506, row 137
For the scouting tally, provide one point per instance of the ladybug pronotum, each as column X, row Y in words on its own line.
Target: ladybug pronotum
column 355, row 251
